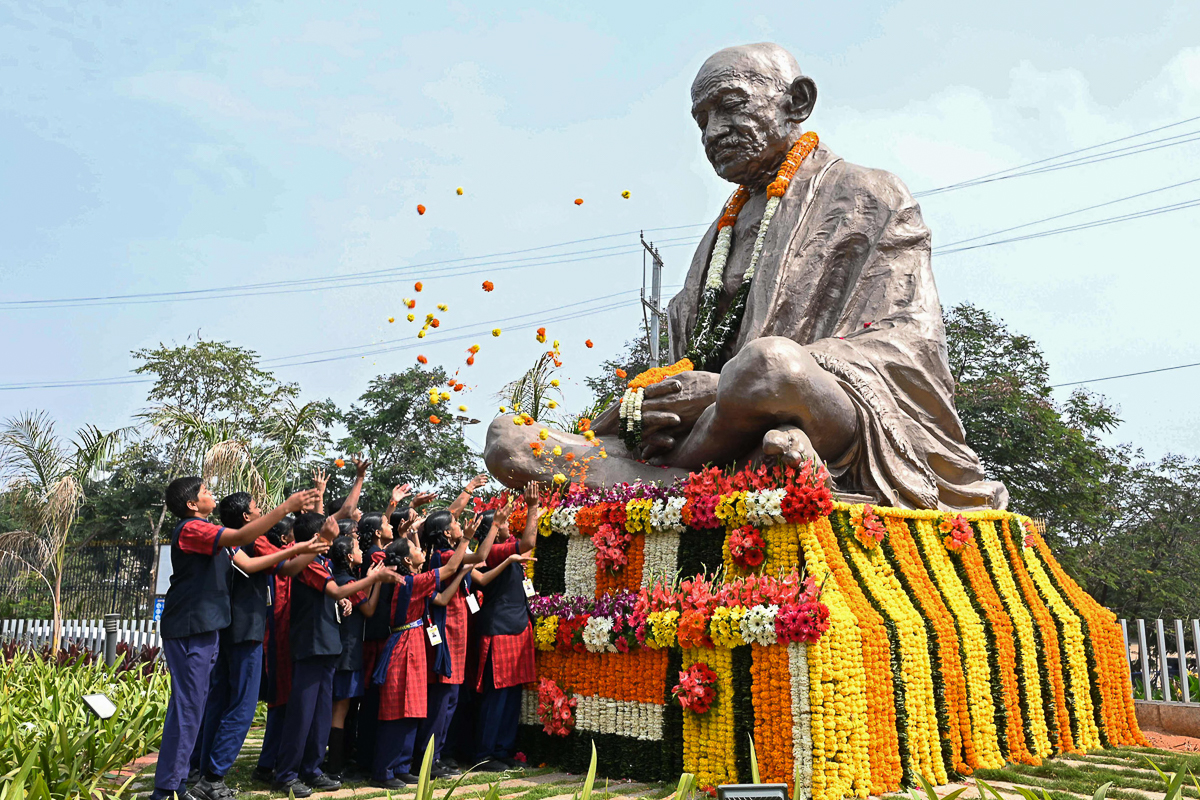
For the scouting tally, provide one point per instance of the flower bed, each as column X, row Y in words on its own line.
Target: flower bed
column 859, row 646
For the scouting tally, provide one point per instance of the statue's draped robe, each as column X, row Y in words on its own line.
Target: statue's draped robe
column 845, row 272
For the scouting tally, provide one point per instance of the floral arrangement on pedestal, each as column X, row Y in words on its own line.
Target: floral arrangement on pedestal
column 696, row 689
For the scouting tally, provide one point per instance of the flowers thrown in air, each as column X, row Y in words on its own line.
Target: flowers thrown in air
column 418, row 286
column 578, row 201
column 470, row 361
column 625, row 194
column 459, row 191
column 696, row 690
column 412, row 317
column 588, row 344
column 434, row 419
column 411, row 304
column 541, row 335
column 339, row 462
column 443, row 307
column 473, row 349
column 495, row 331
column 488, row 286
column 620, row 373
column 422, row 360
column 391, row 319
column 420, row 209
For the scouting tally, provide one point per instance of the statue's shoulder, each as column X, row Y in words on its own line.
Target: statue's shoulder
column 857, row 180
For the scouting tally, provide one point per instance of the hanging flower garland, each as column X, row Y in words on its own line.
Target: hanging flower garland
column 555, row 709
column 630, row 410
column 747, row 548
column 696, row 690
column 710, row 337
column 612, row 545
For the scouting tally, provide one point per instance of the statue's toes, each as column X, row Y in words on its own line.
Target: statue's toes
column 789, row 443
column 776, row 442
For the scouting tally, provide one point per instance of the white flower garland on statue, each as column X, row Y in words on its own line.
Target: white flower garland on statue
column 630, row 413
column 660, row 558
column 802, row 749
column 758, row 625
column 597, row 635
column 562, row 520
column 580, row 569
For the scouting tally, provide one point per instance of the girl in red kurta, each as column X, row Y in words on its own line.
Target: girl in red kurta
column 402, row 672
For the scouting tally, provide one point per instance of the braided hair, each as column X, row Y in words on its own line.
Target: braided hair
column 279, row 530
column 340, row 552
column 396, row 553
column 434, row 533
column 368, row 530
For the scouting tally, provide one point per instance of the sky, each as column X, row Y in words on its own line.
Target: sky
column 151, row 147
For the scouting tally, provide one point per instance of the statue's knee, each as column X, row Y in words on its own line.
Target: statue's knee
column 767, row 370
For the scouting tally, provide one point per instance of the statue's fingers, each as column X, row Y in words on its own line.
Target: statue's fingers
column 662, row 389
column 659, row 419
column 657, row 444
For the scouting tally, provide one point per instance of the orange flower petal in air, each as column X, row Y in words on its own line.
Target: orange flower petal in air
column 588, row 344
column 339, row 463
column 578, row 201
column 620, row 373
column 420, row 208
column 422, row 360
column 488, row 286
column 434, row 322
column 433, row 418
column 418, row 286
column 470, row 361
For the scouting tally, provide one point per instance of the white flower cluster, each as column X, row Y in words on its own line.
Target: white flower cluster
column 720, row 255
column 622, row 717
column 765, row 507
column 529, row 707
column 802, row 748
column 562, row 519
column 768, row 212
column 631, row 407
column 597, row 635
column 666, row 516
column 660, row 557
column 580, row 570
column 758, row 624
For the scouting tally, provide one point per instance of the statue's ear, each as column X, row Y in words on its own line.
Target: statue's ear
column 802, row 96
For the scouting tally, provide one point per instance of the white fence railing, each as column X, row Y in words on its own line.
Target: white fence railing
column 1159, row 659
column 88, row 633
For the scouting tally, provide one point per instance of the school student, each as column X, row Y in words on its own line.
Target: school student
column 234, row 686
column 315, row 643
column 506, row 651
column 277, row 658
column 402, row 673
column 196, row 608
column 345, row 558
column 449, row 610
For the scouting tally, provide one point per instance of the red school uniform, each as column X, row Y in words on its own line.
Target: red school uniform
column 456, row 635
column 512, row 654
column 277, row 653
column 406, row 667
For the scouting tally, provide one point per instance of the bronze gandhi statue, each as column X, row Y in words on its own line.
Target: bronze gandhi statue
column 836, row 349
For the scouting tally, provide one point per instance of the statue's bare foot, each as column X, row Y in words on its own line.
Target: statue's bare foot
column 791, row 444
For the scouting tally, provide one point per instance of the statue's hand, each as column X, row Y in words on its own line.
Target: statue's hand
column 675, row 404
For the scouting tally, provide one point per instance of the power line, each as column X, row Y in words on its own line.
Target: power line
column 1126, row 375
column 984, row 178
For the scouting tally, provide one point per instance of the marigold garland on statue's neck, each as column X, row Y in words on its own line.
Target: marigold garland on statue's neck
column 710, row 336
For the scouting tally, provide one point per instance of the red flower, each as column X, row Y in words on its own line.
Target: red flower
column 695, row 690
column 434, row 419
column 556, row 709
column 422, row 360
column 420, row 210
column 588, row 343
column 488, row 286
column 747, row 547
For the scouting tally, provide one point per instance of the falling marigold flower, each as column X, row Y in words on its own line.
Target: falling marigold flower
column 418, row 286
column 411, row 317
column 620, row 373
column 422, row 359
column 488, row 286
column 495, row 331
column 559, row 478
column 462, row 408
column 458, row 387
column 429, row 316
column 585, row 424
column 391, row 319
column 556, row 344
column 420, row 210
column 541, row 331
column 569, row 456
column 470, row 361
column 434, row 323
column 458, row 191
column 474, row 349
column 434, row 419
column 410, row 303
column 554, row 382
column 625, row 194
column 443, row 307
column 544, row 434
column 503, row 409
column 339, row 463
column 578, row 201
column 535, row 447
column 553, row 404
column 421, row 333
column 541, row 338
column 588, row 344
column 557, row 450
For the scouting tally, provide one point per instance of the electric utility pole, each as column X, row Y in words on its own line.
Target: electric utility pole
column 657, row 317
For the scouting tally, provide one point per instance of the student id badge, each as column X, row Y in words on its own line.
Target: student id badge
column 529, row 590
column 472, row 604
column 435, row 636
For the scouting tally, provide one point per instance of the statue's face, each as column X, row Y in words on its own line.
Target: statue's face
column 745, row 132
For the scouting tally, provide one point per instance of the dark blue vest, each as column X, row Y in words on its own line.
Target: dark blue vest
column 313, row 629
column 198, row 599
column 248, row 598
column 352, row 630
column 505, row 611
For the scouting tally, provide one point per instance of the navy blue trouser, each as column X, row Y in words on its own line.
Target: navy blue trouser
column 190, row 660
column 499, row 715
column 232, row 701
column 368, row 727
column 394, row 747
column 443, row 699
column 306, row 724
column 271, row 736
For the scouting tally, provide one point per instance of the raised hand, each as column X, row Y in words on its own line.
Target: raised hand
column 329, row 530
column 360, row 466
column 320, row 479
column 302, row 501
column 518, row 558
column 423, row 498
column 356, row 514
column 502, row 514
column 472, row 526
column 533, row 494
column 475, row 484
column 315, row 545
column 400, row 492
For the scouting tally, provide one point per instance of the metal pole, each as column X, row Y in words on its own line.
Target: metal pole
column 1163, row 677
column 1125, row 639
column 655, row 300
column 1182, row 645
column 1145, row 658
column 110, row 638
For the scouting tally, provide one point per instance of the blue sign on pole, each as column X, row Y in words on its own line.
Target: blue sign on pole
column 158, row 608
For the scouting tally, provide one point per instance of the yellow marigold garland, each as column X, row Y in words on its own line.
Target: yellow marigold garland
column 708, row 738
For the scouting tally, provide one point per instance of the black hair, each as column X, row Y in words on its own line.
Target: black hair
column 279, row 530
column 485, row 523
column 307, row 524
column 368, row 529
column 395, row 553
column 398, row 518
column 433, row 534
column 182, row 491
column 345, row 527
column 334, row 506
column 233, row 508
column 339, row 553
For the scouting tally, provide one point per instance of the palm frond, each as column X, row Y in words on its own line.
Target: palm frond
column 94, row 449
column 28, row 547
column 231, row 464
column 30, row 451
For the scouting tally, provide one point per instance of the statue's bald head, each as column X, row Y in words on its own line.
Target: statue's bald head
column 749, row 102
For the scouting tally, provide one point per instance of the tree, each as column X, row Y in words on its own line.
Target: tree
column 607, row 387
column 1050, row 457
column 390, row 423
column 44, row 482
